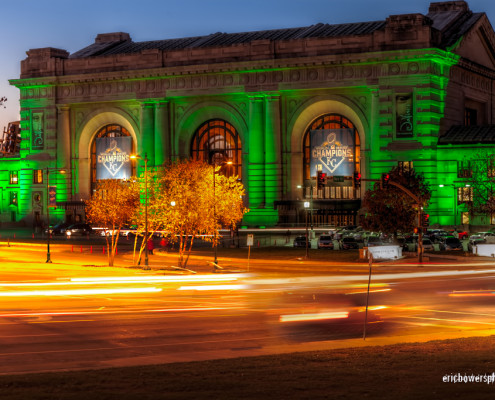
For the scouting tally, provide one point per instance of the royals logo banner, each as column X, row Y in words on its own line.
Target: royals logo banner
column 52, row 196
column 113, row 157
column 332, row 152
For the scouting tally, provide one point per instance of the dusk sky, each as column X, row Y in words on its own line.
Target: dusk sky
column 74, row 24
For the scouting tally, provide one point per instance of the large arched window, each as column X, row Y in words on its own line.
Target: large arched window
column 217, row 141
column 108, row 131
column 337, row 186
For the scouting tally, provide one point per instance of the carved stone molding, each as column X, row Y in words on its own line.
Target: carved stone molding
column 143, row 87
column 242, row 108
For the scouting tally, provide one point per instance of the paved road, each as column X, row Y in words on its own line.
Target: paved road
column 68, row 315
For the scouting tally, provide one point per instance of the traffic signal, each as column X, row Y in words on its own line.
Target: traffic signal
column 357, row 179
column 385, row 180
column 321, row 179
column 425, row 222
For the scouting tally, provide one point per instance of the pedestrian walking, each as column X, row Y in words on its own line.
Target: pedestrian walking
column 151, row 246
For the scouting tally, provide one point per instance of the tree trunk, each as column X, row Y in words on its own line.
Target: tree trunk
column 189, row 251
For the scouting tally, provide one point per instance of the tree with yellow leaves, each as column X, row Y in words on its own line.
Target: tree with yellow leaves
column 191, row 208
column 155, row 213
column 111, row 206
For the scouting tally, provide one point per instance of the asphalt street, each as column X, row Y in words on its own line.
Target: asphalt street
column 78, row 313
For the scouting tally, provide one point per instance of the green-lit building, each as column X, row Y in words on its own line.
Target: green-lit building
column 281, row 104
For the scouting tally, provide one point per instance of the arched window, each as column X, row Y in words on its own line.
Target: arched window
column 337, row 186
column 217, row 141
column 108, row 131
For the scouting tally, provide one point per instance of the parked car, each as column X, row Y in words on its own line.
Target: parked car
column 58, row 229
column 410, row 243
column 451, row 243
column 348, row 243
column 460, row 234
column 124, row 231
column 374, row 241
column 428, row 245
column 300, row 241
column 78, row 230
column 436, row 235
column 486, row 235
column 325, row 242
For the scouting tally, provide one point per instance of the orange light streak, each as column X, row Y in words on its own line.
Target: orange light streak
column 314, row 317
column 214, row 287
column 77, row 292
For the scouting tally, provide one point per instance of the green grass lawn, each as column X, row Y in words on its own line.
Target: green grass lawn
column 399, row 372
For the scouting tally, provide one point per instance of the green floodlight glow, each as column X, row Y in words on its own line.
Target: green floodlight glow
column 262, row 163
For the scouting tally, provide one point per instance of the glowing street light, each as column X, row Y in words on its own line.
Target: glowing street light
column 306, row 206
column 215, row 164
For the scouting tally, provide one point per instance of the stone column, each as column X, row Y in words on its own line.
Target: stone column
column 63, row 137
column 146, row 142
column 256, row 154
column 63, row 181
column 273, row 168
column 162, row 133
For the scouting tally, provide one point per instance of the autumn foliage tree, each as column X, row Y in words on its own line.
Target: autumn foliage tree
column 191, row 208
column 111, row 206
column 391, row 210
column 155, row 214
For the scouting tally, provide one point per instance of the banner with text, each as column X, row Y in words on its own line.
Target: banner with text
column 113, row 157
column 332, row 152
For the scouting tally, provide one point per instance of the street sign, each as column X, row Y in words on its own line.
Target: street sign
column 250, row 239
column 250, row 242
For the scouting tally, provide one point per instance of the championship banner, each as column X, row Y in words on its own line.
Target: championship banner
column 332, row 152
column 113, row 157
column 52, row 196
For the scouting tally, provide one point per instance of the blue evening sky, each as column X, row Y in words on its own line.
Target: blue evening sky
column 74, row 24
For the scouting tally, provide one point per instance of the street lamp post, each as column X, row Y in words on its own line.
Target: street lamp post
column 146, row 251
column 306, row 206
column 311, row 209
column 214, row 162
column 62, row 171
column 215, row 261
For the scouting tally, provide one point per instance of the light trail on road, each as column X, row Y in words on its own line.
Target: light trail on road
column 78, row 292
column 184, row 317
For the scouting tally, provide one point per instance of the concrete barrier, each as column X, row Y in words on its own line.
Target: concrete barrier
column 485, row 250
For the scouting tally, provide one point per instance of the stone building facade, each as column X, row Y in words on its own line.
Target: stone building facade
column 345, row 99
